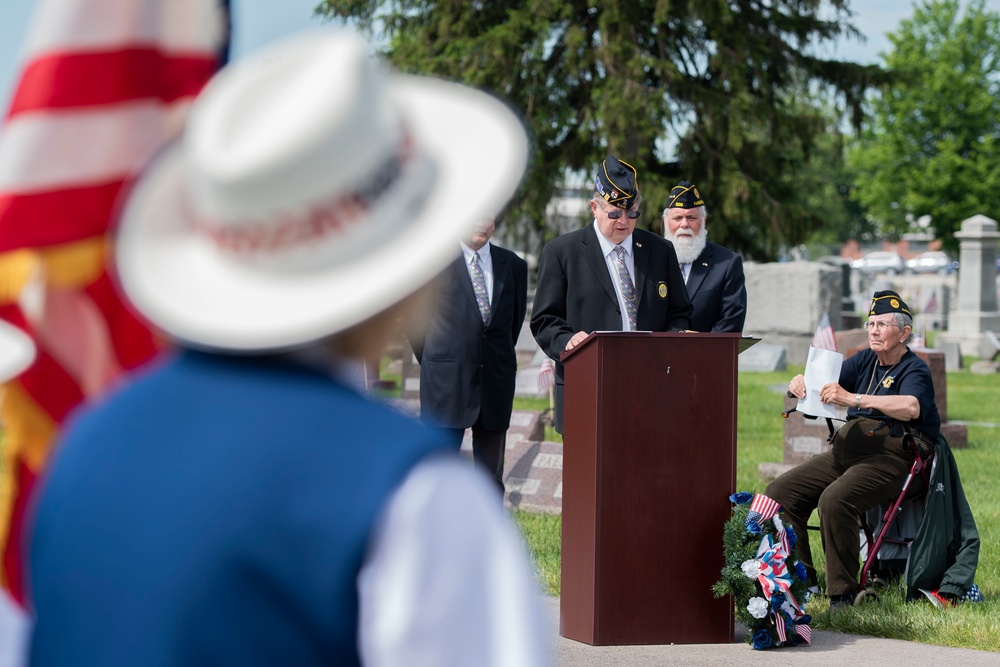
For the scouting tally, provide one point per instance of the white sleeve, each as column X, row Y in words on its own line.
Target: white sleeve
column 447, row 580
column 14, row 627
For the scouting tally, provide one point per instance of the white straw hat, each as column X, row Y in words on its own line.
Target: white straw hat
column 310, row 191
column 17, row 351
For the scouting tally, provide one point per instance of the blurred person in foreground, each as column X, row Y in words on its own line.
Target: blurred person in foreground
column 17, row 352
column 608, row 276
column 712, row 273
column 244, row 502
column 888, row 391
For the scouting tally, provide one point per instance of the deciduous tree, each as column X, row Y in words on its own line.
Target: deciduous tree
column 932, row 144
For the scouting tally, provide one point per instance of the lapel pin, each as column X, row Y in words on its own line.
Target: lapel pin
column 704, row 263
column 638, row 245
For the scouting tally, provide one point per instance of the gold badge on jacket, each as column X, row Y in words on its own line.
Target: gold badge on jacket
column 661, row 289
column 887, row 382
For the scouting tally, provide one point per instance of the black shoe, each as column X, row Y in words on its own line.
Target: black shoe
column 837, row 601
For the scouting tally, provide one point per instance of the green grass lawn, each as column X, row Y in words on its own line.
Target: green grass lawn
column 971, row 398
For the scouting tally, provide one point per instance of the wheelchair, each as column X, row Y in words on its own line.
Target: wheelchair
column 879, row 526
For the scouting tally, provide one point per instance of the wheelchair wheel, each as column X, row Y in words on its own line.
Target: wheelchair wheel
column 880, row 584
column 865, row 596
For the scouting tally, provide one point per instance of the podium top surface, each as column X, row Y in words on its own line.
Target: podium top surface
column 745, row 342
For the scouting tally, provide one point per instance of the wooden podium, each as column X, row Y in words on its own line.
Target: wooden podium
column 649, row 461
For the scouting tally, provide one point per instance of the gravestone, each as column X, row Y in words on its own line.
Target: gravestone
column 526, row 382
column 989, row 347
column 762, row 358
column 532, row 466
column 533, row 476
column 952, row 354
column 984, row 368
column 976, row 311
column 851, row 339
column 411, row 374
column 785, row 301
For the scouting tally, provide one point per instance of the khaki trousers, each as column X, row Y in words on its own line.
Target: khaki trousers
column 860, row 472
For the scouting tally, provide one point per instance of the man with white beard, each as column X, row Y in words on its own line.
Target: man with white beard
column 713, row 274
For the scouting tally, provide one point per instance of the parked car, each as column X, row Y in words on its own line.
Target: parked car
column 933, row 261
column 879, row 262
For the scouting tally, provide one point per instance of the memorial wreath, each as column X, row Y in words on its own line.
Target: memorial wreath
column 769, row 589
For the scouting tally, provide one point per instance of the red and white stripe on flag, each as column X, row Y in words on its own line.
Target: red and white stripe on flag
column 779, row 625
column 546, row 375
column 764, row 506
column 932, row 304
column 824, row 339
column 104, row 84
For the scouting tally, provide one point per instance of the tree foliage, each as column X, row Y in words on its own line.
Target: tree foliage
column 931, row 145
column 708, row 90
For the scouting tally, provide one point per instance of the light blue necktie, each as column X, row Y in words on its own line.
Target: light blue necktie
column 628, row 290
column 479, row 287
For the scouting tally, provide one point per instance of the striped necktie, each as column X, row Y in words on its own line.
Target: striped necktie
column 628, row 290
column 479, row 287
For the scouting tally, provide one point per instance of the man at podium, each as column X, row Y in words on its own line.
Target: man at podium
column 608, row 276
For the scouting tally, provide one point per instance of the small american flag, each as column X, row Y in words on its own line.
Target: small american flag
column 779, row 625
column 804, row 631
column 762, row 508
column 546, row 376
column 824, row 339
column 932, row 304
column 918, row 338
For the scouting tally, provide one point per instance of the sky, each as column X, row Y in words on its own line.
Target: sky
column 255, row 23
column 258, row 22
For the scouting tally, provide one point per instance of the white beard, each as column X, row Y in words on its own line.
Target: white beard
column 689, row 247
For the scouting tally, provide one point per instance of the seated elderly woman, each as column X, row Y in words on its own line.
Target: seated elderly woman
column 887, row 390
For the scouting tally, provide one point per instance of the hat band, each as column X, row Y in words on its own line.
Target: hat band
column 316, row 222
column 615, row 198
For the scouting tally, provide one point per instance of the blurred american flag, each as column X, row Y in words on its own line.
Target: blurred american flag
column 824, row 339
column 546, row 376
column 103, row 85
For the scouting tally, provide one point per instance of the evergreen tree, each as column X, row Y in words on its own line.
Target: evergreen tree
column 707, row 90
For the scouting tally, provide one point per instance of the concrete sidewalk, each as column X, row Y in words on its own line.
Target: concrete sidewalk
column 827, row 648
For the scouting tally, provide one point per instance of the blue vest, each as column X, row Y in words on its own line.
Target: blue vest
column 214, row 512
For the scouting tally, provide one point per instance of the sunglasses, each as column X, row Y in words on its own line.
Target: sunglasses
column 614, row 214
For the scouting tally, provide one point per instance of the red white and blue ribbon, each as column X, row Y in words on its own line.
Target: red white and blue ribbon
column 773, row 578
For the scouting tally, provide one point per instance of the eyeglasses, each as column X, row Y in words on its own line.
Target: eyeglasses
column 881, row 326
column 614, row 214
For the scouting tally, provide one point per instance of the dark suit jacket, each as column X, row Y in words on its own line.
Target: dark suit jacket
column 575, row 292
column 467, row 368
column 717, row 289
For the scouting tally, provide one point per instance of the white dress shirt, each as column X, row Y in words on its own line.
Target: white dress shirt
column 447, row 581
column 685, row 271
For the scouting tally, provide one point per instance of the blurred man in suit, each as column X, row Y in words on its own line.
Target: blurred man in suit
column 608, row 276
column 467, row 359
column 713, row 274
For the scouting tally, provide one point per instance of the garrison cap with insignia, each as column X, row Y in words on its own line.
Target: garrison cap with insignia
column 616, row 182
column 888, row 301
column 684, row 195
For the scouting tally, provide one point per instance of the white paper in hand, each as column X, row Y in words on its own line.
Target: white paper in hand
column 822, row 367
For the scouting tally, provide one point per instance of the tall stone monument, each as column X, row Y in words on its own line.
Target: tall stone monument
column 976, row 311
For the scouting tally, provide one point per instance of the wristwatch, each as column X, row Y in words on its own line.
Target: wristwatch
column 857, row 401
